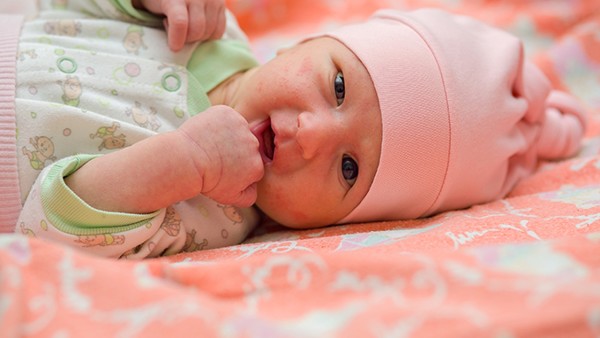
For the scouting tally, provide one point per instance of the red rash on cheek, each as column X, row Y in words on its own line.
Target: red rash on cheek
column 305, row 67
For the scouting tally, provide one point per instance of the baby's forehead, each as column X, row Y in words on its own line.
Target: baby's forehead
column 329, row 44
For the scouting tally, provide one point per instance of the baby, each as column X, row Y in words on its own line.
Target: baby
column 126, row 149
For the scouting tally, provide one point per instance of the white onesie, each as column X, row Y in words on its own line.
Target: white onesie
column 93, row 76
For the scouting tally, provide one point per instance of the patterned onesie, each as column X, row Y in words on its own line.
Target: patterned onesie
column 94, row 76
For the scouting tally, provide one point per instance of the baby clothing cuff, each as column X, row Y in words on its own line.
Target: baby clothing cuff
column 70, row 214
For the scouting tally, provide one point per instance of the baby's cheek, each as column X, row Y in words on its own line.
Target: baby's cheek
column 305, row 68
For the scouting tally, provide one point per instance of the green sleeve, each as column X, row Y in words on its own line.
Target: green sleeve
column 216, row 60
column 126, row 7
column 211, row 63
column 70, row 214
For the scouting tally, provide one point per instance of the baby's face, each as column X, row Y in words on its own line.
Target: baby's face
column 315, row 112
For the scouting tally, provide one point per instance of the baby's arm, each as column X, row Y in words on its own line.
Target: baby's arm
column 188, row 20
column 213, row 153
column 124, row 204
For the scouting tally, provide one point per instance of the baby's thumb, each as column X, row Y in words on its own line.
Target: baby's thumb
column 247, row 197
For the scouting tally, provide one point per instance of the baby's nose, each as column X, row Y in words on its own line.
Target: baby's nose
column 317, row 133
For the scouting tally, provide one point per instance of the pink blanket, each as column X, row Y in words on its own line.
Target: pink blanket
column 524, row 266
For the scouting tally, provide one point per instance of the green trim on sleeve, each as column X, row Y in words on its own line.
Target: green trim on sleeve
column 126, row 7
column 197, row 98
column 70, row 214
column 216, row 60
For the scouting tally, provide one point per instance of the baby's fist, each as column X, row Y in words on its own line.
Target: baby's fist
column 226, row 155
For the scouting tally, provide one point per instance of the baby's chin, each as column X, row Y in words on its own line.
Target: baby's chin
column 291, row 219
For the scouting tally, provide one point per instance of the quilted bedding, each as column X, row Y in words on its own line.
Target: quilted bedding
column 525, row 266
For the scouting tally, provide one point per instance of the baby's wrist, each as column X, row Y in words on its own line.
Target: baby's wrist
column 195, row 156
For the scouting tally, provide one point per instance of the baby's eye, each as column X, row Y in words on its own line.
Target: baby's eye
column 339, row 87
column 349, row 169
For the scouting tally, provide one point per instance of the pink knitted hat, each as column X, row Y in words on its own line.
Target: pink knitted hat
column 457, row 103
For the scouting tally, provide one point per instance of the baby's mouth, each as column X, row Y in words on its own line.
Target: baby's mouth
column 269, row 142
column 266, row 139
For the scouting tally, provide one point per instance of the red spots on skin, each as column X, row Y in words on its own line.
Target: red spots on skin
column 260, row 87
column 306, row 67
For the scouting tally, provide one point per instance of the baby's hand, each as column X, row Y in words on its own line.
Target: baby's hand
column 188, row 20
column 226, row 154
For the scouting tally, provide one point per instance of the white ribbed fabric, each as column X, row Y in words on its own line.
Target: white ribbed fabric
column 10, row 197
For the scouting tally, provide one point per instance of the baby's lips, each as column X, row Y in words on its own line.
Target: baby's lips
column 258, row 132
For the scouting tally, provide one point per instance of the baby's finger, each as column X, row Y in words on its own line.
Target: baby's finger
column 197, row 26
column 211, row 12
column 176, row 25
column 247, row 197
column 220, row 25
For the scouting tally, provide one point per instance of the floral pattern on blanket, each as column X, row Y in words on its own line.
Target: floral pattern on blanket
column 527, row 265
